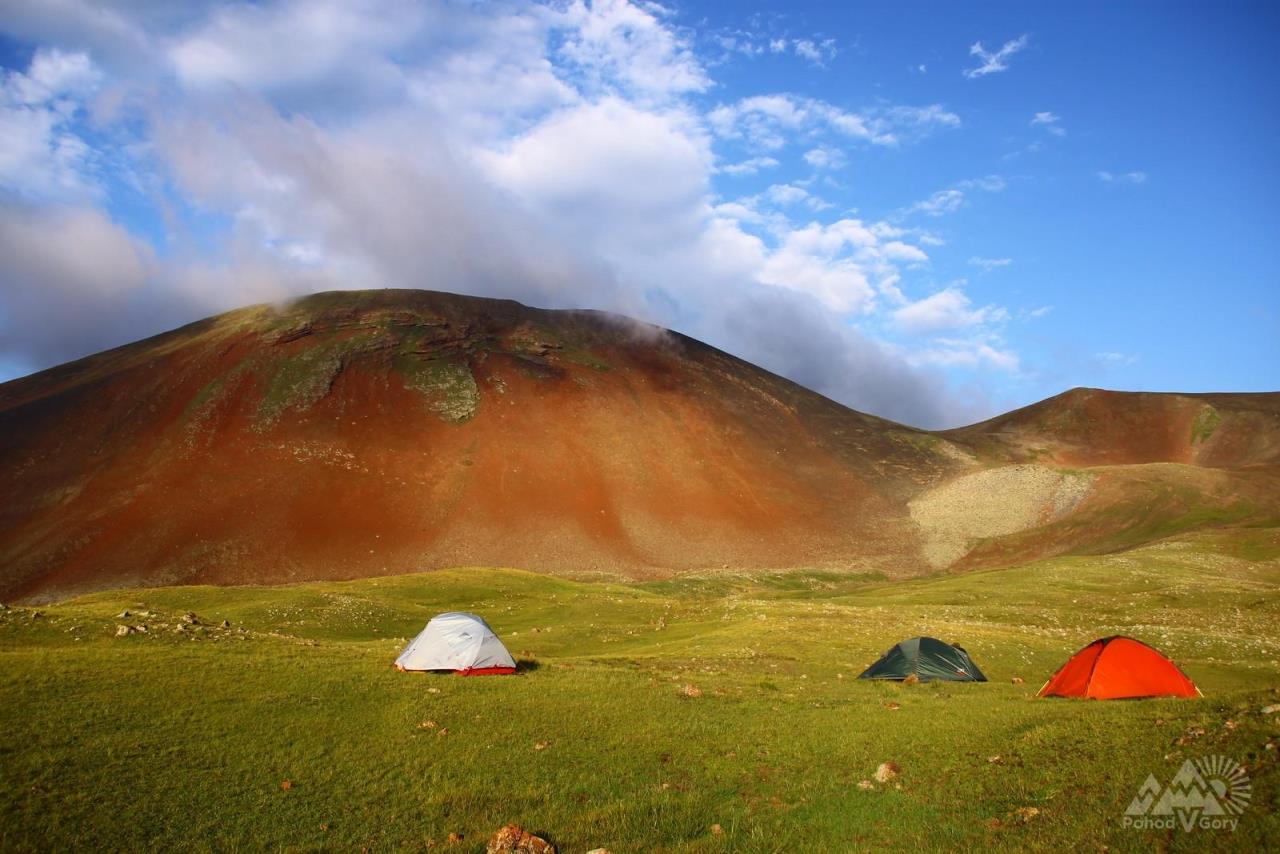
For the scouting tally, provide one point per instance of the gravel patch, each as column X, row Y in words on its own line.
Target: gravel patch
column 993, row 503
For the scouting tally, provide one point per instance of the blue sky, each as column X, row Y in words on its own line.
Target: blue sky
column 932, row 212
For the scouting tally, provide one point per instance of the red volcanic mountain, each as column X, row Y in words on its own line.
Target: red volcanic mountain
column 362, row 433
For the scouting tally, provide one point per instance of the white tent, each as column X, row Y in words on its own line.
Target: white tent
column 460, row 642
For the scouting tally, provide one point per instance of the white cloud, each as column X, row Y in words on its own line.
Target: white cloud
column 947, row 309
column 950, row 200
column 1108, row 361
column 626, row 46
column 896, row 250
column 1037, row 313
column 41, row 152
column 967, row 352
column 1049, row 122
column 768, row 121
column 551, row 154
column 1122, row 177
column 292, row 44
column 988, row 183
column 750, row 166
column 69, row 276
column 822, row 261
column 989, row 264
column 825, row 157
column 816, row 52
column 786, row 194
column 814, row 49
column 990, row 63
column 940, row 203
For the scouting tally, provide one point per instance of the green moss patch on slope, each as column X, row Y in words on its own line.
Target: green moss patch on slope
column 447, row 384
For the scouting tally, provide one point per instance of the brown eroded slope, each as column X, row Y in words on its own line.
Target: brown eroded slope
column 1099, row 470
column 1092, row 427
column 363, row 433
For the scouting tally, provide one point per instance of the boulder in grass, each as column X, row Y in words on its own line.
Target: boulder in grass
column 887, row 771
column 513, row 839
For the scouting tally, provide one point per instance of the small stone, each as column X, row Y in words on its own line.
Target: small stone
column 1017, row 680
column 866, row 784
column 717, row 830
column 911, row 680
column 1270, row 710
column 995, row 760
column 453, row 838
column 541, row 745
column 513, row 839
column 599, row 851
column 190, row 619
column 1025, row 814
column 286, row 785
column 887, row 771
column 427, row 725
column 225, row 624
column 121, row 631
column 691, row 691
column 892, row 706
column 123, row 615
column 433, row 690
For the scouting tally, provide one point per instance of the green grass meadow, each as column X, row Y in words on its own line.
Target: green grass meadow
column 182, row 740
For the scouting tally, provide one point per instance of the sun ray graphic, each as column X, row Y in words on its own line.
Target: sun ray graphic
column 1229, row 781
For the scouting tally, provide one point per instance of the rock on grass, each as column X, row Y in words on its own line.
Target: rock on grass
column 513, row 839
column 887, row 771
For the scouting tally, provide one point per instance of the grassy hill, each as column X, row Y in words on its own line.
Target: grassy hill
column 645, row 714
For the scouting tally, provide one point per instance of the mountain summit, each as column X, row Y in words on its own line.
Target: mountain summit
column 352, row 434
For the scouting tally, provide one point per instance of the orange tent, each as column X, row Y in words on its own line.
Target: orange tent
column 1118, row 668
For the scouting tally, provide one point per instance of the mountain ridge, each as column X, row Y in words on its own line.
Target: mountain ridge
column 357, row 433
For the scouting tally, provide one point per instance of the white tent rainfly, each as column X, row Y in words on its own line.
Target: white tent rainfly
column 460, row 642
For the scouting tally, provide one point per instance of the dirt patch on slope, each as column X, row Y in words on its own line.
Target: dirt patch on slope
column 993, row 503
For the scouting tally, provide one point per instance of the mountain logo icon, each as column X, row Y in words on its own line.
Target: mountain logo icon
column 1202, row 793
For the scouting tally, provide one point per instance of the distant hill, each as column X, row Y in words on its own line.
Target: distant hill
column 353, row 434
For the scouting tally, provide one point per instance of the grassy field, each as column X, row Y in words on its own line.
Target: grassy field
column 711, row 713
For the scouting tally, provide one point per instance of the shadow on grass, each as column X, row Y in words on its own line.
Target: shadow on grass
column 527, row 665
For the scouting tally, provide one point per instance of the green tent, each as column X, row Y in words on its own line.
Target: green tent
column 927, row 659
